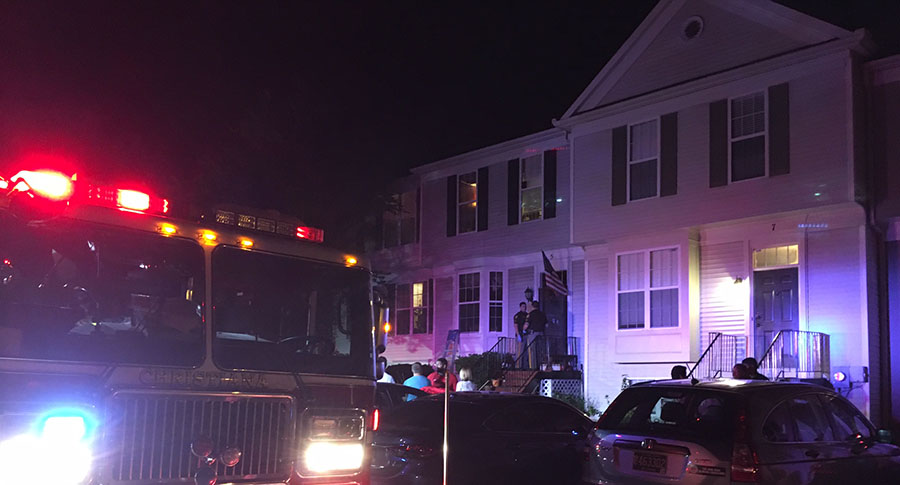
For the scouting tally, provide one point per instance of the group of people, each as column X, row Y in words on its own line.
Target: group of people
column 437, row 381
column 746, row 369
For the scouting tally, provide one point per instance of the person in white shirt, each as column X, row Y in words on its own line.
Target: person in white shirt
column 385, row 377
column 465, row 381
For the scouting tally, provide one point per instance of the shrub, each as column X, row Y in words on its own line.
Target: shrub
column 583, row 404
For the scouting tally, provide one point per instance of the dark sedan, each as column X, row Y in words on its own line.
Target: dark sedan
column 736, row 431
column 494, row 438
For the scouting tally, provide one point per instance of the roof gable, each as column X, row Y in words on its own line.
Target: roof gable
column 734, row 33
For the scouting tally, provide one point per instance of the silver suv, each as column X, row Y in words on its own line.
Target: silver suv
column 734, row 431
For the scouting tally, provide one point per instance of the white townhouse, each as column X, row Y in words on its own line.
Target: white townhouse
column 712, row 199
column 465, row 243
column 717, row 193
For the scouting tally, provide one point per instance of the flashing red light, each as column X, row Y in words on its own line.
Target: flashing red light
column 3, row 184
column 48, row 184
column 376, row 419
column 310, row 233
column 133, row 200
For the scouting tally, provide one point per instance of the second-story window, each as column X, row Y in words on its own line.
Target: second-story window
column 532, row 188
column 469, row 307
column 748, row 136
column 643, row 160
column 467, row 201
column 400, row 220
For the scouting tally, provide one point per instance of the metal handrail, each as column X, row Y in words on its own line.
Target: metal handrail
column 708, row 348
column 769, row 348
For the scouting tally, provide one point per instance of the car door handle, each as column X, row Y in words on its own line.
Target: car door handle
column 812, row 453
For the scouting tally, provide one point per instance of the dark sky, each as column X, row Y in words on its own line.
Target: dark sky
column 302, row 106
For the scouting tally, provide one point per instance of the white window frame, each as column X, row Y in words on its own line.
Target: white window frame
column 521, row 170
column 459, row 303
column 460, row 204
column 765, row 135
column 647, row 289
column 497, row 303
column 630, row 162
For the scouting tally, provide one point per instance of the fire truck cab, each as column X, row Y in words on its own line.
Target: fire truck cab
column 137, row 348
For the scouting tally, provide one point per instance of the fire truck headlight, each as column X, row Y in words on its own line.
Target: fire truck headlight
column 323, row 457
column 61, row 440
column 24, row 459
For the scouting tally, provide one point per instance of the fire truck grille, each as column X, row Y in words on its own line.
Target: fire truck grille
column 150, row 435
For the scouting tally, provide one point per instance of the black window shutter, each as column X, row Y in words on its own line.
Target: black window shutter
column 668, row 156
column 549, row 184
column 512, row 195
column 619, row 165
column 451, row 205
column 718, row 143
column 483, row 196
column 779, row 130
column 430, row 306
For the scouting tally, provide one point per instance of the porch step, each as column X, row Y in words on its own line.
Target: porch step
column 516, row 380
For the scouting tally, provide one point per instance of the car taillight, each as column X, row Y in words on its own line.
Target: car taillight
column 376, row 419
column 744, row 464
column 744, row 460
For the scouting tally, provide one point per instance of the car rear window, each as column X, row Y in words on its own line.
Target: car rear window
column 678, row 413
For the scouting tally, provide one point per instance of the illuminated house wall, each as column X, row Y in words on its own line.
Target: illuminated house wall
column 512, row 250
column 701, row 210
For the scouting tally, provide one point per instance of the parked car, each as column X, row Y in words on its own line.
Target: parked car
column 494, row 438
column 735, row 431
column 388, row 396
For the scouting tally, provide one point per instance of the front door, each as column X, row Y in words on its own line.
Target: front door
column 775, row 305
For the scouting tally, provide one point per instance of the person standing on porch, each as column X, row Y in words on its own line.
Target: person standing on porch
column 535, row 325
column 519, row 322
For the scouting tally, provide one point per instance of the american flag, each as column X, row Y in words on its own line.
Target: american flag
column 552, row 278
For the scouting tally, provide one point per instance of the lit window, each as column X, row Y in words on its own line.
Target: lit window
column 776, row 257
column 469, row 307
column 647, row 289
column 643, row 160
column 421, row 296
column 532, row 189
column 495, row 322
column 748, row 136
column 468, row 202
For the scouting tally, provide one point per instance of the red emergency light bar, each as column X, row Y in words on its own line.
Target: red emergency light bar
column 55, row 186
column 270, row 225
column 127, row 200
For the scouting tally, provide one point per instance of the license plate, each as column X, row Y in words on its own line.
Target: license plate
column 647, row 462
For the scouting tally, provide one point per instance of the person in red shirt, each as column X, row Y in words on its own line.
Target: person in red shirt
column 439, row 377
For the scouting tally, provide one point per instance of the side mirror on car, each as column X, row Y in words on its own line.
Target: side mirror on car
column 885, row 436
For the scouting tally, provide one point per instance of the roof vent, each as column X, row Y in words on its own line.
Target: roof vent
column 692, row 28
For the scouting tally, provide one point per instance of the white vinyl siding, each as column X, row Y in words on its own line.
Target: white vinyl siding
column 722, row 301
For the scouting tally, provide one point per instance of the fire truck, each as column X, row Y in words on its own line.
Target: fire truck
column 137, row 347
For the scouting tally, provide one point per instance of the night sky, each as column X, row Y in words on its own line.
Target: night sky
column 306, row 107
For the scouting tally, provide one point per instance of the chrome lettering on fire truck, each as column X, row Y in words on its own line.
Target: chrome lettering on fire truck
column 202, row 379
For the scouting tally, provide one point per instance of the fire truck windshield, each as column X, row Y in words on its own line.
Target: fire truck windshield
column 281, row 313
column 81, row 292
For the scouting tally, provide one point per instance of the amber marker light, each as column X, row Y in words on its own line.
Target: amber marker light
column 246, row 243
column 167, row 229
column 350, row 260
column 208, row 237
